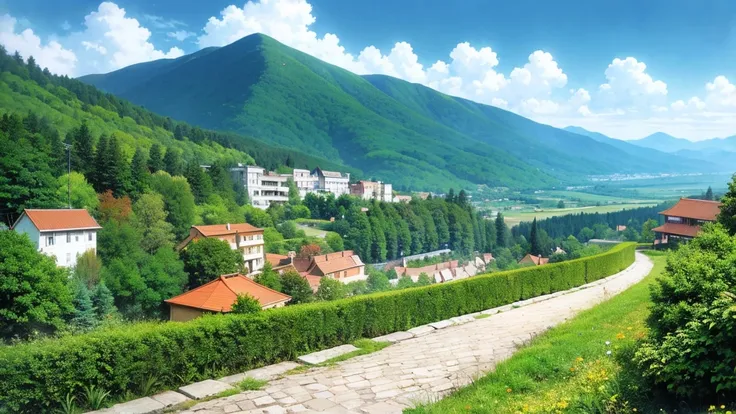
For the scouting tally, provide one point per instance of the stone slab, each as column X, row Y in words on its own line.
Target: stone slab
column 421, row 330
column 322, row 356
column 266, row 373
column 493, row 311
column 170, row 398
column 462, row 319
column 204, row 389
column 145, row 405
column 441, row 324
column 394, row 337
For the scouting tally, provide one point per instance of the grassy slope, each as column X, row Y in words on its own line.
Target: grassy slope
column 514, row 217
column 562, row 370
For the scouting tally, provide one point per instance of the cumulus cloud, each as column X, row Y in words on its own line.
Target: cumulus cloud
column 51, row 55
column 629, row 84
column 180, row 35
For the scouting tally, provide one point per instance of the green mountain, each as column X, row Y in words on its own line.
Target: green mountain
column 392, row 130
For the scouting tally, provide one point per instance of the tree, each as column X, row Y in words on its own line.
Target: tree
column 138, row 173
column 111, row 208
column 207, row 259
column 647, row 235
column 104, row 302
column 561, row 204
column 405, row 282
column 83, row 195
column 150, row 220
column 727, row 216
column 330, row 289
column 334, row 241
column 294, row 197
column 34, row 296
column 268, row 277
column 359, row 235
column 708, row 194
column 296, row 286
column 118, row 168
column 424, row 280
column 178, row 200
column 586, row 234
column 172, row 162
column 87, row 269
column 155, row 158
column 82, row 156
column 100, row 173
column 309, row 250
column 500, row 231
column 377, row 281
column 85, row 316
column 199, row 181
column 535, row 240
column 245, row 304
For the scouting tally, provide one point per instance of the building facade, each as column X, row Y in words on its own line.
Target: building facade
column 63, row 234
column 372, row 190
column 333, row 182
column 305, row 181
column 242, row 237
column 263, row 187
column 682, row 221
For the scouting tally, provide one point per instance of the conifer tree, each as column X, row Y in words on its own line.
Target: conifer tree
column 172, row 162
column 103, row 301
column 709, row 194
column 83, row 154
column 500, row 231
column 138, row 174
column 199, row 181
column 100, row 174
column 535, row 240
column 85, row 317
column 118, row 168
column 155, row 158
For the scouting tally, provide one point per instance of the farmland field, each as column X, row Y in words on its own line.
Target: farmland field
column 513, row 218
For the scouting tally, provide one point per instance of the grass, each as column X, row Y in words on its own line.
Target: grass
column 482, row 316
column 191, row 403
column 365, row 346
column 312, row 231
column 567, row 369
column 514, row 217
column 251, row 384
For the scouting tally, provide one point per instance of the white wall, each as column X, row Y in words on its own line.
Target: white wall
column 64, row 249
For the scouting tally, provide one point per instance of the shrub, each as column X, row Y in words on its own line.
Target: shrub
column 40, row 374
column 245, row 304
column 690, row 348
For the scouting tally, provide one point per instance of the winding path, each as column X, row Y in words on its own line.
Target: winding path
column 425, row 368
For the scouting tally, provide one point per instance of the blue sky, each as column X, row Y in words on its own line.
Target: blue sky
column 625, row 68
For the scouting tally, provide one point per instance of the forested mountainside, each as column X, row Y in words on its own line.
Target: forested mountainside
column 400, row 132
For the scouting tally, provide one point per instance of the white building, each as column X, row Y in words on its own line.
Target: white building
column 333, row 182
column 62, row 234
column 263, row 187
column 305, row 181
column 242, row 237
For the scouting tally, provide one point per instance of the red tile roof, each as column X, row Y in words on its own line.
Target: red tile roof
column 222, row 229
column 60, row 219
column 537, row 260
column 277, row 259
column 678, row 229
column 220, row 294
column 697, row 209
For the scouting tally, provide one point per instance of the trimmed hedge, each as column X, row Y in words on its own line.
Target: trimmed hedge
column 38, row 375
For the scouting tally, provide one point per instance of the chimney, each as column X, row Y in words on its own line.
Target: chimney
column 227, row 226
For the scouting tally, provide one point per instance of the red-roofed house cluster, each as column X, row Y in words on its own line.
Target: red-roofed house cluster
column 683, row 220
column 446, row 271
column 344, row 266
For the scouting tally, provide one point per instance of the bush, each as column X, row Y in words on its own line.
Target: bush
column 690, row 348
column 37, row 376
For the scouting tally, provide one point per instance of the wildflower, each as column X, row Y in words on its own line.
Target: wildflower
column 608, row 352
column 608, row 342
column 722, row 406
column 579, row 359
column 572, row 369
column 508, row 390
column 562, row 404
column 712, row 408
column 620, row 336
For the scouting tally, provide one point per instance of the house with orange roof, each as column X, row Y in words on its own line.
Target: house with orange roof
column 534, row 260
column 344, row 266
column 62, row 234
column 242, row 237
column 683, row 220
column 219, row 295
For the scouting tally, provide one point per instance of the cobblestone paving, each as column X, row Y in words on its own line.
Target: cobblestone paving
column 421, row 369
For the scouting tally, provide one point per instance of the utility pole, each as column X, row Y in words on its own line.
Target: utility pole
column 68, row 173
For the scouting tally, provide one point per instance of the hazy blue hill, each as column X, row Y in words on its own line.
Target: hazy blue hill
column 391, row 129
column 664, row 142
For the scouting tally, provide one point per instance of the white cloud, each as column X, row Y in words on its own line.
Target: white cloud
column 628, row 84
column 51, row 55
column 161, row 23
column 180, row 35
column 111, row 40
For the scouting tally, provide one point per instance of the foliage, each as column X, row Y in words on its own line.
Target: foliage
column 150, row 221
column 87, row 269
column 114, row 209
column 727, row 216
column 309, row 250
column 335, row 242
column 268, row 277
column 693, row 320
column 647, row 235
column 424, row 280
column 330, row 289
column 296, row 286
column 246, row 303
column 84, row 317
column 208, row 259
column 82, row 193
column 34, row 297
column 178, row 200
column 95, row 397
column 377, row 281
column 35, row 375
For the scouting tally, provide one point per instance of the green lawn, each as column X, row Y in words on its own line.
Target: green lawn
column 567, row 369
column 513, row 218
column 312, row 231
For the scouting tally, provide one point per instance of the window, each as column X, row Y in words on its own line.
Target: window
column 76, row 237
column 68, row 238
column 50, row 240
column 89, row 236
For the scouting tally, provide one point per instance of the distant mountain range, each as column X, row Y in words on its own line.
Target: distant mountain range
column 390, row 129
column 720, row 152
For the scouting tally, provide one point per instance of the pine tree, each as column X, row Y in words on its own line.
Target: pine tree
column 178, row 133
column 172, row 162
column 709, row 194
column 82, row 150
column 118, row 168
column 100, row 175
column 199, row 181
column 138, row 173
column 535, row 240
column 103, row 301
column 450, row 198
column 155, row 158
column 500, row 231
column 85, row 317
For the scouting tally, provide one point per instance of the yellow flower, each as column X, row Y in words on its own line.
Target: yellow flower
column 629, row 328
column 620, row 336
column 712, row 408
column 579, row 359
column 634, row 410
column 722, row 406
column 562, row 404
column 508, row 390
column 572, row 369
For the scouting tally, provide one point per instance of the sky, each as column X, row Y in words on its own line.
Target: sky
column 625, row 68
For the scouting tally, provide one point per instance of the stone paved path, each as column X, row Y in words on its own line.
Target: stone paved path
column 420, row 369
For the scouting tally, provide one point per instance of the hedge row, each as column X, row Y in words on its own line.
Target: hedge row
column 38, row 375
